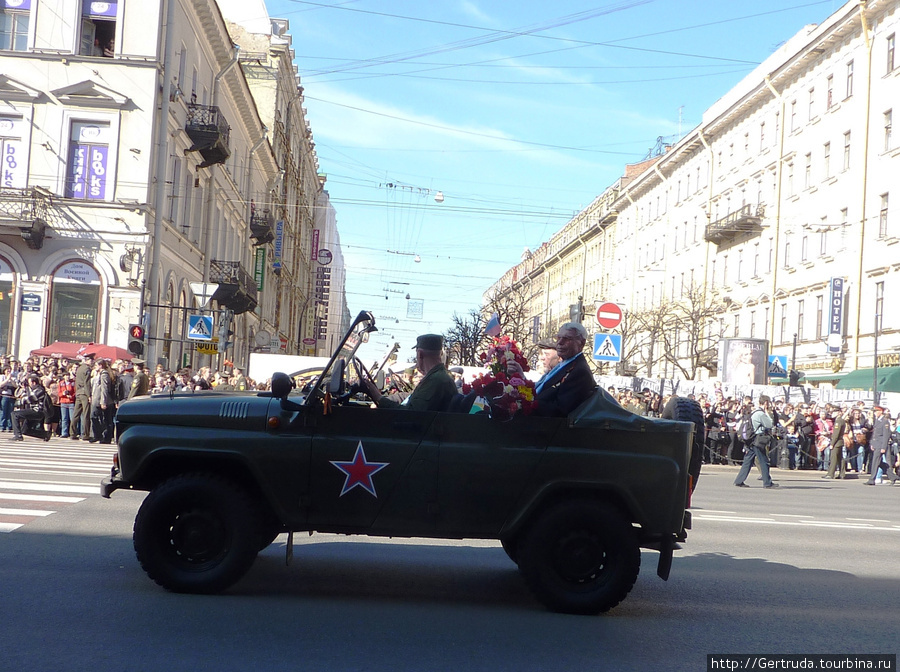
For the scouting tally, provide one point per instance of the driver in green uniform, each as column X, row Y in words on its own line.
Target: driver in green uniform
column 436, row 389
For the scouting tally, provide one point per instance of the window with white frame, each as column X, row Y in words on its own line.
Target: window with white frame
column 793, row 116
column 811, row 107
column 846, row 164
column 13, row 153
column 87, row 166
column 891, row 47
column 804, row 248
column 15, row 16
column 888, row 127
column 801, row 317
column 782, row 336
column 849, row 89
column 883, row 217
column 829, row 92
column 752, row 324
column 820, row 315
column 826, row 164
column 807, row 172
column 98, row 28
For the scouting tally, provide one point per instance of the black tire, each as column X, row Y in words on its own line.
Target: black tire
column 197, row 533
column 688, row 410
column 580, row 557
column 511, row 548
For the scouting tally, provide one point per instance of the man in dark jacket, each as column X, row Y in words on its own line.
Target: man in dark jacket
column 837, row 446
column 569, row 383
column 34, row 409
column 880, row 443
column 436, row 389
column 83, row 399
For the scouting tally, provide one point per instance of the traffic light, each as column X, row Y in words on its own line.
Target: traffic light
column 794, row 380
column 136, row 335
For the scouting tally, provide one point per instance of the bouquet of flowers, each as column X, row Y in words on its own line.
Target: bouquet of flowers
column 508, row 393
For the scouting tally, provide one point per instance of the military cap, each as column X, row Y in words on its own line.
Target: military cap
column 431, row 342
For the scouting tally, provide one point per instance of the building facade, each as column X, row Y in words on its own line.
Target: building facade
column 775, row 210
column 146, row 177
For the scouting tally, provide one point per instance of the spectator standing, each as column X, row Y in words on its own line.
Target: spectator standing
column 66, row 390
column 8, row 386
column 102, row 401
column 83, row 399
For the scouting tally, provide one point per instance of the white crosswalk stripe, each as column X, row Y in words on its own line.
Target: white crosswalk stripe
column 37, row 478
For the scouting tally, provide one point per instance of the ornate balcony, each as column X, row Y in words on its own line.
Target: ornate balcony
column 746, row 220
column 262, row 227
column 28, row 211
column 209, row 131
column 237, row 289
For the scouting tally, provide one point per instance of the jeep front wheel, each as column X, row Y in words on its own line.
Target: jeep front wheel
column 197, row 533
column 580, row 557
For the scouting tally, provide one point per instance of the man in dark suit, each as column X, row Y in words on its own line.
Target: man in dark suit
column 881, row 437
column 569, row 383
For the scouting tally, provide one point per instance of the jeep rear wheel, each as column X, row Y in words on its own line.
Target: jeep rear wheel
column 580, row 557
column 197, row 533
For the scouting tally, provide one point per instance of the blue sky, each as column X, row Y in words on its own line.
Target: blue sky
column 518, row 113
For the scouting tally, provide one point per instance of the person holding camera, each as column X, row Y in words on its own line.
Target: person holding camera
column 758, row 447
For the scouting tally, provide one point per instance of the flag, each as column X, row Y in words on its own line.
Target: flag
column 493, row 325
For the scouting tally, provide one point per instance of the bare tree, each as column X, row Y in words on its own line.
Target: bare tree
column 466, row 338
column 685, row 346
column 647, row 340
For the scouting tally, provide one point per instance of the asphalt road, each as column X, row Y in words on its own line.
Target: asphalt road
column 806, row 568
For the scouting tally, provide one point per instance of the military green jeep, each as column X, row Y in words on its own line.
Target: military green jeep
column 572, row 500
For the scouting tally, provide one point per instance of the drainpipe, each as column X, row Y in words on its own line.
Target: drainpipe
column 210, row 198
column 779, row 172
column 154, row 262
column 857, row 291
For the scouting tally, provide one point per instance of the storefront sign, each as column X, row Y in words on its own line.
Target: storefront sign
column 31, row 303
column 12, row 153
column 315, row 245
column 836, row 316
column 21, row 5
column 105, row 9
column 77, row 271
column 259, row 268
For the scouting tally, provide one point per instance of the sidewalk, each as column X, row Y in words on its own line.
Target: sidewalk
column 804, row 474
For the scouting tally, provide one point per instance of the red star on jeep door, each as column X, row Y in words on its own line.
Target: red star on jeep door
column 359, row 472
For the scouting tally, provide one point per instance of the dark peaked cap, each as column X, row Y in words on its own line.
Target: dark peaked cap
column 432, row 342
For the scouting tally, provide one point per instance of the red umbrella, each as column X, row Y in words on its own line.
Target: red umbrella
column 100, row 351
column 59, row 349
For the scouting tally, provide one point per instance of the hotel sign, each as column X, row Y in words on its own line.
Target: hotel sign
column 836, row 316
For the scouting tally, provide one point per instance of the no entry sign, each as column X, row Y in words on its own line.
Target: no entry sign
column 609, row 315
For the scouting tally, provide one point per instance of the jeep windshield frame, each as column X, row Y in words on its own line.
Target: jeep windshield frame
column 357, row 334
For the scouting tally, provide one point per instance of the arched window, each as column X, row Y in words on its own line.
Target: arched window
column 74, row 304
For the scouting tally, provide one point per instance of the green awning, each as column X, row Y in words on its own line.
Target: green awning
column 820, row 377
column 863, row 379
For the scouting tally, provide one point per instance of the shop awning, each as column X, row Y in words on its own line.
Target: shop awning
column 862, row 379
column 821, row 377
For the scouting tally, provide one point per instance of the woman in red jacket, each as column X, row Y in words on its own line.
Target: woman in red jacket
column 66, row 391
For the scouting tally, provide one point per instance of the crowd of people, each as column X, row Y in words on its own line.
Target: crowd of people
column 55, row 397
column 835, row 439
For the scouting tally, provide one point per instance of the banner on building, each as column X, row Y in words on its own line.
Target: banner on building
column 835, row 338
column 314, row 254
column 744, row 361
column 259, row 268
column 279, row 244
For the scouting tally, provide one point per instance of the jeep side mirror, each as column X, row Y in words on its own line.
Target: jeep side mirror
column 281, row 385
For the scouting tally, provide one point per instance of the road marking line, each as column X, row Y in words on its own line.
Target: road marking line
column 49, row 487
column 806, row 523
column 62, row 499
column 9, row 527
column 790, row 515
column 24, row 512
column 731, row 513
column 868, row 520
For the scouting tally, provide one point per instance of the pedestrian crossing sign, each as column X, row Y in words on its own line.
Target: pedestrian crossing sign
column 777, row 366
column 200, row 327
column 608, row 347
